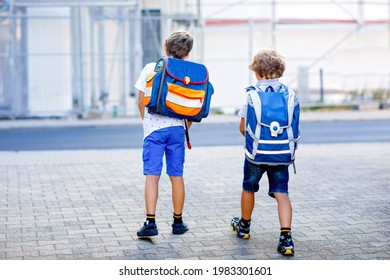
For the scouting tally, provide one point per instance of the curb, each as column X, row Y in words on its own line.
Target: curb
column 306, row 116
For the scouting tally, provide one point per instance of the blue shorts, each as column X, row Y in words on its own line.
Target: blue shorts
column 277, row 177
column 169, row 140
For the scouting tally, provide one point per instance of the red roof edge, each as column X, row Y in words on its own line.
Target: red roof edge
column 224, row 22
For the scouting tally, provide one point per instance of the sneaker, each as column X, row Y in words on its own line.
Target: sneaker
column 241, row 231
column 148, row 229
column 286, row 245
column 179, row 228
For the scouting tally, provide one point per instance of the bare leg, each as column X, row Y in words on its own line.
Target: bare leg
column 284, row 210
column 247, row 204
column 178, row 193
column 178, row 196
column 151, row 193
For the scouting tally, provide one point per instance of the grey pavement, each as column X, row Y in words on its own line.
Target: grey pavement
column 89, row 204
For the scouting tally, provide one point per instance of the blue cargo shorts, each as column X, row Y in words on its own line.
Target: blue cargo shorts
column 168, row 141
column 278, row 177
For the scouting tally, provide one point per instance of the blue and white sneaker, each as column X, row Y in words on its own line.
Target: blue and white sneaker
column 148, row 229
column 286, row 245
column 236, row 226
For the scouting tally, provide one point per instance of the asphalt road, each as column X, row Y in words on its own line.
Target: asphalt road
column 75, row 138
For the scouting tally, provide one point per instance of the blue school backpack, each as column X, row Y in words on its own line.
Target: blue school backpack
column 272, row 126
column 179, row 89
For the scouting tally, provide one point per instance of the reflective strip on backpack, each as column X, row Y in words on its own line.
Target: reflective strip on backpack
column 255, row 142
column 262, row 152
column 256, row 106
column 251, row 133
column 256, row 103
column 274, row 141
column 291, row 105
column 248, row 154
column 147, row 95
column 184, row 102
column 148, row 92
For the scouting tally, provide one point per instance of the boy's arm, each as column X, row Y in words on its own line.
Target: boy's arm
column 141, row 106
column 242, row 113
column 242, row 126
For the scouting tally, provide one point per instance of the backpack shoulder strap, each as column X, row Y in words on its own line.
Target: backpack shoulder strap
column 160, row 64
column 253, row 93
column 282, row 88
column 290, row 102
column 250, row 88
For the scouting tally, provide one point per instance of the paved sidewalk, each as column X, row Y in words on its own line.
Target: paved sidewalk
column 89, row 204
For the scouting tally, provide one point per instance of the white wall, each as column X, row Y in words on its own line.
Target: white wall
column 350, row 59
column 49, row 61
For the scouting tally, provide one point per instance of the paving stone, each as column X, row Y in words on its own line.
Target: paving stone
column 89, row 205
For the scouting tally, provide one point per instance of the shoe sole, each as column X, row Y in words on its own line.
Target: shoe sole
column 286, row 252
column 245, row 236
column 179, row 231
column 147, row 235
column 289, row 252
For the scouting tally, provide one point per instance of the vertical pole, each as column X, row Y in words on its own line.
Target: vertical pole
column 360, row 14
column 80, row 61
column 131, row 58
column 24, row 63
column 92, row 56
column 123, row 63
column 273, row 23
column 138, row 59
column 11, row 62
column 389, row 23
column 135, row 52
column 321, row 86
column 250, row 48
column 102, row 66
column 77, row 64
column 200, row 23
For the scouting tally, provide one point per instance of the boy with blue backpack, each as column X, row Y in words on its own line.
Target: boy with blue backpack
column 173, row 93
column 163, row 135
column 270, row 124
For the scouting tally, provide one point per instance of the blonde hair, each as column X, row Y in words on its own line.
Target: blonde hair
column 179, row 44
column 268, row 64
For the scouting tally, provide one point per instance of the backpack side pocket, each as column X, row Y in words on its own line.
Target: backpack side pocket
column 148, row 88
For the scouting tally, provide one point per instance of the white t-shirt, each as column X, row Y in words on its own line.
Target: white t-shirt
column 153, row 122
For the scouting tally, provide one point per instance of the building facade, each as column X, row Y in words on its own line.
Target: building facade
column 81, row 58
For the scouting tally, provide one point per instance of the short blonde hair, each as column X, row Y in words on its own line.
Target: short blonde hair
column 268, row 63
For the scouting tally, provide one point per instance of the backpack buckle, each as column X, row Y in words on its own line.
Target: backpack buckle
column 275, row 129
column 186, row 80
